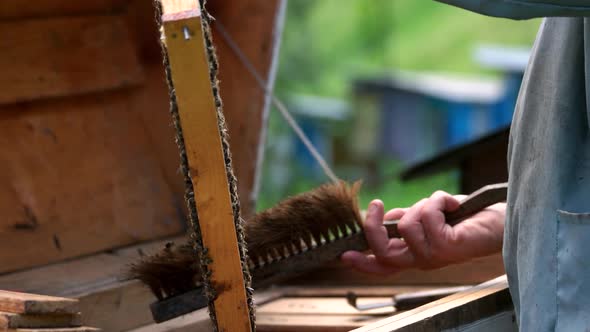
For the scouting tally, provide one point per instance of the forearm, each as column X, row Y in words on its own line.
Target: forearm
column 524, row 9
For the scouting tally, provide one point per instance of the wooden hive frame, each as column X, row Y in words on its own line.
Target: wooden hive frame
column 193, row 73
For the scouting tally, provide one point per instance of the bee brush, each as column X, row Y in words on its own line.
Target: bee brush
column 335, row 236
column 297, row 235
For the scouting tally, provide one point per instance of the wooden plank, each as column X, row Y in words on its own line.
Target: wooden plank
column 78, row 182
column 458, row 309
column 14, row 9
column 150, row 106
column 104, row 300
column 469, row 273
column 365, row 291
column 196, row 321
column 244, row 103
column 26, row 303
column 11, row 320
column 198, row 117
column 80, row 55
column 58, row 329
column 321, row 306
column 324, row 323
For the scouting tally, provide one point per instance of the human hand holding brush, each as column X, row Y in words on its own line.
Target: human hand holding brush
column 308, row 230
column 428, row 240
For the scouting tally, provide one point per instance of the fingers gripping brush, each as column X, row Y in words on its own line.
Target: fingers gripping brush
column 299, row 234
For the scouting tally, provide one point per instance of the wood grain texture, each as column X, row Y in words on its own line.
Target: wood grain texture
column 195, row 321
column 105, row 301
column 14, row 9
column 11, row 320
column 307, row 323
column 245, row 105
column 180, row 9
column 26, row 303
column 321, row 306
column 58, row 329
column 150, row 106
column 472, row 272
column 78, row 176
column 79, row 55
column 481, row 301
column 198, row 118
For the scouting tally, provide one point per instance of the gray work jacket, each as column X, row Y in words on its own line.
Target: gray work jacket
column 547, row 231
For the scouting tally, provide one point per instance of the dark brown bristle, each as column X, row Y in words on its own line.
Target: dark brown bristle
column 316, row 214
column 172, row 271
column 323, row 214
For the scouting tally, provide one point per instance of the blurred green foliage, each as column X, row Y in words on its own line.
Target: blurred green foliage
column 327, row 43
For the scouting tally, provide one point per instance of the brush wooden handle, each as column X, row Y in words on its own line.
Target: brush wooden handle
column 318, row 256
column 477, row 201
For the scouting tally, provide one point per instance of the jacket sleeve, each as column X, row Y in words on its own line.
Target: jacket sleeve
column 524, row 9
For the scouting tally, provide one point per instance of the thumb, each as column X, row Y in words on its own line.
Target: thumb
column 395, row 214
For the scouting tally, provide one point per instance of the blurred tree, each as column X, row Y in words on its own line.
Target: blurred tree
column 327, row 42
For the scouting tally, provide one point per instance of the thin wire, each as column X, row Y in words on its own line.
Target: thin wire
column 276, row 101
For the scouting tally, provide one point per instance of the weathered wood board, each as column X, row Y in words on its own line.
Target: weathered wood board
column 26, row 303
column 76, row 178
column 473, row 272
column 315, row 306
column 14, row 9
column 65, row 56
column 307, row 323
column 105, row 301
column 11, row 320
column 479, row 302
column 58, row 329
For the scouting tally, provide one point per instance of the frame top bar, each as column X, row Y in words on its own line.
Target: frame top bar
column 174, row 10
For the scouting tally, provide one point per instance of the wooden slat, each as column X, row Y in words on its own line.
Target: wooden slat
column 198, row 117
column 104, row 300
column 365, row 291
column 58, row 329
column 195, row 321
column 26, row 303
column 14, row 9
column 78, row 177
column 244, row 102
column 315, row 306
column 79, row 55
column 470, row 273
column 458, row 309
column 298, row 323
column 180, row 9
column 11, row 321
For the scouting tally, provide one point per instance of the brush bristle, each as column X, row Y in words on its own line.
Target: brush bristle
column 172, row 271
column 303, row 221
column 296, row 224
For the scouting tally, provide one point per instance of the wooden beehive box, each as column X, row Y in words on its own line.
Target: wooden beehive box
column 89, row 165
column 89, row 173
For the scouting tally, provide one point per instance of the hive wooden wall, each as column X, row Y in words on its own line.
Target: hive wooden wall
column 87, row 157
